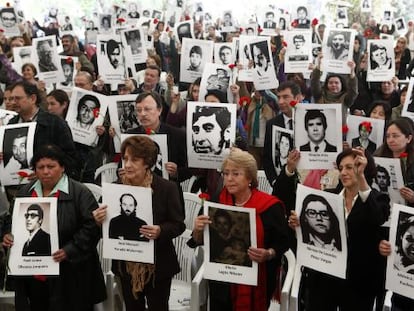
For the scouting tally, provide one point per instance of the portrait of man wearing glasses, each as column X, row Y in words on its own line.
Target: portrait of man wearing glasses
column 38, row 243
column 8, row 17
column 319, row 224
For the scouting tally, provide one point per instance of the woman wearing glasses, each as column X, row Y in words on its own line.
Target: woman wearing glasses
column 80, row 282
column 365, row 210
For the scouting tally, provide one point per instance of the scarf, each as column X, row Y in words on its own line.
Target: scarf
column 141, row 273
column 246, row 297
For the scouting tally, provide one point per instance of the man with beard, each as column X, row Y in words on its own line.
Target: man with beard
column 126, row 225
column 45, row 53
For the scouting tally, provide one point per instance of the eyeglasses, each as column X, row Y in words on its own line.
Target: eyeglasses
column 314, row 214
column 31, row 215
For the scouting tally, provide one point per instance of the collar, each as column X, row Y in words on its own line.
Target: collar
column 286, row 120
column 321, row 146
column 32, row 234
column 31, row 119
column 61, row 186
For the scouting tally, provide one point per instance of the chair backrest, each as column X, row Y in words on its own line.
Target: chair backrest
column 264, row 184
column 288, row 260
column 192, row 205
column 108, row 172
column 187, row 184
column 95, row 189
column 185, row 256
column 105, row 262
column 294, row 294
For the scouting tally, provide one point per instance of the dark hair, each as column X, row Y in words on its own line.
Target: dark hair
column 405, row 222
column 61, row 97
column 37, row 208
column 29, row 89
column 31, row 66
column 154, row 67
column 332, row 234
column 196, row 49
column 141, row 147
column 262, row 46
column 156, row 58
column 381, row 169
column 129, row 195
column 334, row 75
column 223, row 47
column 222, row 97
column 270, row 13
column 370, row 171
column 89, row 97
column 288, row 136
column 49, row 151
column 374, row 47
column 106, row 17
column 111, row 45
column 154, row 95
column 313, row 114
column 68, row 36
column 302, row 8
column 196, row 82
column 385, row 105
column 294, row 87
column 301, row 37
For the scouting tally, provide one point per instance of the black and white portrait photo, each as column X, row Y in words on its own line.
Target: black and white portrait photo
column 184, row 30
column 322, row 243
column 298, row 52
column 282, row 144
column 85, row 112
column 408, row 106
column 229, row 237
column 156, row 14
column 195, row 54
column 400, row 263
column 68, row 66
column 35, row 237
column 400, row 25
column 216, row 78
column 381, row 60
column 223, row 53
column 23, row 55
column 47, row 59
column 317, row 134
column 111, row 58
column 126, row 225
column 133, row 11
column 269, row 23
column 212, row 133
column 105, row 25
column 337, row 47
column 365, row 132
column 389, row 179
column 231, row 232
column 17, row 148
column 129, row 208
column 302, row 18
column 366, row 6
column 227, row 24
column 264, row 76
column 135, row 48
column 8, row 22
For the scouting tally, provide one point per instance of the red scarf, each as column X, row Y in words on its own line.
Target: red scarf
column 246, row 297
column 41, row 277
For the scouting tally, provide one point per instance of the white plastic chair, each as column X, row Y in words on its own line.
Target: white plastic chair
column 187, row 184
column 95, row 189
column 294, row 294
column 6, row 300
column 181, row 286
column 107, row 172
column 387, row 302
column 264, row 184
column 290, row 261
column 114, row 301
column 192, row 205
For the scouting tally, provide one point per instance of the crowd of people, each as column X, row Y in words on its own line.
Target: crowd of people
column 60, row 165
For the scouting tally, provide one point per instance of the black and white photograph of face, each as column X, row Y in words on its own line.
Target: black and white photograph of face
column 338, row 45
column 382, row 179
column 133, row 40
column 45, row 54
column 225, row 55
column 379, row 57
column 184, row 31
column 404, row 244
column 229, row 237
column 67, row 68
column 106, row 23
column 297, row 50
column 133, row 11
column 269, row 20
column 260, row 56
column 399, row 24
column 15, row 149
column 127, row 116
column 8, row 17
column 387, row 15
column 156, row 14
column 283, row 144
column 114, row 53
column 88, row 110
column 209, row 129
column 196, row 57
column 227, row 19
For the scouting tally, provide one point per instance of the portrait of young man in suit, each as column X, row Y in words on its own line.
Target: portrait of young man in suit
column 38, row 243
column 315, row 125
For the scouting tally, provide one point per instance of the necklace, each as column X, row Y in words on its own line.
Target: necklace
column 242, row 204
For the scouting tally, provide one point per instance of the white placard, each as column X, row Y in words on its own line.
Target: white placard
column 47, row 59
column 381, row 60
column 195, row 54
column 298, row 52
column 282, row 143
column 337, row 49
column 365, row 132
column 218, row 78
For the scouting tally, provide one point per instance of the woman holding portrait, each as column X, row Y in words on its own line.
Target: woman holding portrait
column 149, row 284
column 80, row 283
column 239, row 171
column 365, row 211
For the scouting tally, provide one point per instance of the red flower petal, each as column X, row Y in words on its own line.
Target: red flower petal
column 231, row 66
column 293, row 103
column 121, row 20
column 284, row 43
column 1, row 30
column 345, row 129
column 69, row 60
column 294, row 24
column 315, row 22
column 117, row 158
column 167, row 29
column 403, row 155
column 149, row 131
column 204, row 196
column 95, row 112
column 241, row 29
column 367, row 126
column 244, row 101
column 41, row 278
column 155, row 20
column 23, row 174
column 187, row 17
column 259, row 29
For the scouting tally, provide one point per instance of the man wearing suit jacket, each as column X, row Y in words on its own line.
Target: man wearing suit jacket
column 315, row 125
column 269, row 23
column 38, row 243
column 364, row 129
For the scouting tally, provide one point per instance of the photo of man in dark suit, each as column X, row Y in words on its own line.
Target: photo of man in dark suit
column 364, row 130
column 126, row 225
column 38, row 243
column 269, row 23
column 315, row 125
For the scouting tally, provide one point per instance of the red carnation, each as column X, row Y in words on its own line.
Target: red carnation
column 284, row 43
column 315, row 22
column 403, row 155
column 40, row 278
column 293, row 103
column 294, row 24
column 244, row 101
column 23, row 174
column 231, row 66
column 117, row 158
column 204, row 196
column 121, row 20
column 345, row 129
column 259, row 29
column 167, row 29
column 149, row 131
column 69, row 60
column 368, row 33
column 241, row 29
column 95, row 112
column 155, row 20
column 367, row 126
column 1, row 30
column 187, row 17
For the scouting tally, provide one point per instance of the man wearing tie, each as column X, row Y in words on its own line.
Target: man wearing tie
column 315, row 125
column 38, row 243
column 269, row 23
